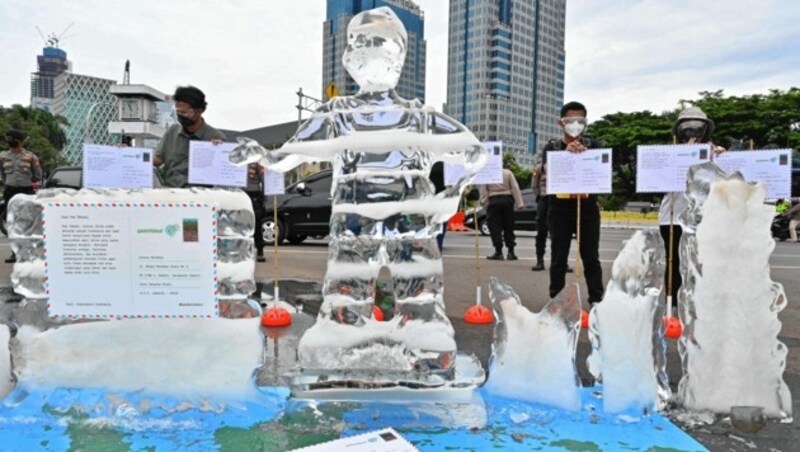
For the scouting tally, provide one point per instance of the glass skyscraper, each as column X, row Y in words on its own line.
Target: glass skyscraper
column 334, row 42
column 88, row 107
column 50, row 64
column 505, row 72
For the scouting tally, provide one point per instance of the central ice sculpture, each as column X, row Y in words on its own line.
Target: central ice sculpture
column 385, row 213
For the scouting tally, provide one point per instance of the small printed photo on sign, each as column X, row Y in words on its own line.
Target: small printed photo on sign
column 783, row 160
column 703, row 154
column 497, row 150
column 190, row 230
column 605, row 158
column 145, row 157
column 388, row 436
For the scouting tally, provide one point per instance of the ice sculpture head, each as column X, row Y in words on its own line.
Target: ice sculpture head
column 376, row 49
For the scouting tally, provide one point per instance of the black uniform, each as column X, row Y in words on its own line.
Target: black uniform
column 255, row 190
column 563, row 212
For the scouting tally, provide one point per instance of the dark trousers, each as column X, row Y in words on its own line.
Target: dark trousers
column 677, row 231
column 259, row 211
column 501, row 221
column 440, row 237
column 563, row 219
column 542, row 206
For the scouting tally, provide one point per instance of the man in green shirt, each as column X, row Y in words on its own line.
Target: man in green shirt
column 173, row 149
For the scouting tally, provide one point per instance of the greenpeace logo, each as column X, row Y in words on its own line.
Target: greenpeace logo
column 149, row 231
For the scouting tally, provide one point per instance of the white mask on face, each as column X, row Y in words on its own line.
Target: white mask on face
column 574, row 128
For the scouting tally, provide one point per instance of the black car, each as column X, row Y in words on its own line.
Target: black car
column 524, row 220
column 304, row 211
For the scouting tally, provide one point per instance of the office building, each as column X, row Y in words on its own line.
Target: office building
column 505, row 77
column 334, row 42
column 88, row 106
column 49, row 65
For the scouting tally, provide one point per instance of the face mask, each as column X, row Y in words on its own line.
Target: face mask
column 185, row 122
column 574, row 128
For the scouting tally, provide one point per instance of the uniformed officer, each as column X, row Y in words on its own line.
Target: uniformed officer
column 20, row 170
column 255, row 190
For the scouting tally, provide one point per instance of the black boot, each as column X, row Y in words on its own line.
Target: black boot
column 497, row 256
column 11, row 260
column 260, row 256
column 511, row 256
column 539, row 266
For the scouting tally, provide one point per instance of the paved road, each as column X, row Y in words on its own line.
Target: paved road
column 307, row 262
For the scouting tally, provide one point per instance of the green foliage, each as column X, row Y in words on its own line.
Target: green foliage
column 45, row 132
column 772, row 118
column 522, row 175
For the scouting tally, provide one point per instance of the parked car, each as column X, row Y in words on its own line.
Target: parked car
column 303, row 211
column 63, row 177
column 524, row 220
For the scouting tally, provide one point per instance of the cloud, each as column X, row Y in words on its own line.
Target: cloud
column 251, row 56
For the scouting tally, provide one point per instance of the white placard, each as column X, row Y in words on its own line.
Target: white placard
column 491, row 173
column 584, row 172
column 117, row 167
column 386, row 440
column 662, row 169
column 773, row 167
column 130, row 260
column 273, row 183
column 209, row 165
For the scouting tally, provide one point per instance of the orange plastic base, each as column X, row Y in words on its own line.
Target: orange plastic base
column 377, row 313
column 478, row 315
column 584, row 319
column 673, row 328
column 276, row 317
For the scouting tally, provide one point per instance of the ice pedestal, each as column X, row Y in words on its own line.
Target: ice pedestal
column 198, row 357
column 628, row 357
column 729, row 304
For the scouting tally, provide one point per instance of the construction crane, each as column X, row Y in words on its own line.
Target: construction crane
column 52, row 40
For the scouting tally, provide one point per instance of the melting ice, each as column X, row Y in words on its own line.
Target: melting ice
column 533, row 356
column 729, row 304
column 628, row 349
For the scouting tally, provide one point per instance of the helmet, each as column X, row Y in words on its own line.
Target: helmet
column 693, row 123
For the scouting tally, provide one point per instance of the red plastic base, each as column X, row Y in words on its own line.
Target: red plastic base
column 276, row 317
column 584, row 319
column 377, row 313
column 673, row 328
column 478, row 315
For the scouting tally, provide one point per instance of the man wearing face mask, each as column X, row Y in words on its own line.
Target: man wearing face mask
column 691, row 127
column 20, row 170
column 563, row 211
column 173, row 149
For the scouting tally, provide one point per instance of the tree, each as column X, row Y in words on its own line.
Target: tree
column 522, row 175
column 623, row 132
column 45, row 132
column 760, row 119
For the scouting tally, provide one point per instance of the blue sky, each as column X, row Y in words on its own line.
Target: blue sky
column 250, row 56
